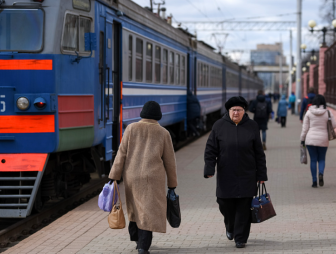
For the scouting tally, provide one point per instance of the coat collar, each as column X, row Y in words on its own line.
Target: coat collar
column 149, row 121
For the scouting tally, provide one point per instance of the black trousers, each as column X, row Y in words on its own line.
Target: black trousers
column 237, row 216
column 283, row 121
column 143, row 237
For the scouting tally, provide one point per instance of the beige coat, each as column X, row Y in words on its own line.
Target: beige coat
column 314, row 129
column 145, row 156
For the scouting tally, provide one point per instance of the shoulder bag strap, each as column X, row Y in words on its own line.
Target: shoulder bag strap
column 329, row 118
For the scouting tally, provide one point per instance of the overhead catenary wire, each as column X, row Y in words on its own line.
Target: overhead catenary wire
column 198, row 9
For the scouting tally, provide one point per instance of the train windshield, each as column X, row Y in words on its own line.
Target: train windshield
column 21, row 30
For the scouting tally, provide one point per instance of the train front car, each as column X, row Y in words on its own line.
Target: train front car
column 50, row 99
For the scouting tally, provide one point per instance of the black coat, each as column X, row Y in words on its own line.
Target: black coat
column 262, row 122
column 240, row 158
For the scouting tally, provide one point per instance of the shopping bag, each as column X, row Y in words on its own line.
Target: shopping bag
column 116, row 218
column 173, row 209
column 330, row 128
column 106, row 196
column 303, row 154
column 262, row 208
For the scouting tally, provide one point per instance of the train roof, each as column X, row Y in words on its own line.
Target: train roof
column 149, row 19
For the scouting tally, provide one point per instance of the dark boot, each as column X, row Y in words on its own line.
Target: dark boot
column 229, row 235
column 141, row 251
column 321, row 182
column 314, row 185
column 240, row 245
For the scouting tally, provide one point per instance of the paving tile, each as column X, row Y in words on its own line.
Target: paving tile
column 305, row 221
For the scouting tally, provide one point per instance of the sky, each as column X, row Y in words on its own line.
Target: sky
column 243, row 10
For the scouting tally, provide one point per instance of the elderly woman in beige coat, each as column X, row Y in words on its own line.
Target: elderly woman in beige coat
column 314, row 135
column 144, row 159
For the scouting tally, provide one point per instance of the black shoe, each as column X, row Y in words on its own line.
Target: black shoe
column 141, row 251
column 240, row 245
column 321, row 182
column 314, row 185
column 136, row 245
column 229, row 235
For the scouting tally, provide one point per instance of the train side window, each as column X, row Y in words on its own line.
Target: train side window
column 165, row 67
column 149, row 62
column 138, row 62
column 157, row 64
column 177, row 64
column 74, row 31
column 130, row 62
column 171, row 67
column 203, row 74
column 70, row 33
column 199, row 74
column 84, row 27
column 183, row 70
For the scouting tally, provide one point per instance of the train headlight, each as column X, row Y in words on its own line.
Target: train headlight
column 22, row 103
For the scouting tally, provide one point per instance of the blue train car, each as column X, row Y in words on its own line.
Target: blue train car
column 75, row 73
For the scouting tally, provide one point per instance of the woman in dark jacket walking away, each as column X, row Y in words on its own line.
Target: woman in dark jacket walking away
column 234, row 145
column 262, row 110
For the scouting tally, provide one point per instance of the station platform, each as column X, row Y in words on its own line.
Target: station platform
column 305, row 221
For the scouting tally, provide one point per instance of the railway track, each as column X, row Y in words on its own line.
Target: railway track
column 25, row 227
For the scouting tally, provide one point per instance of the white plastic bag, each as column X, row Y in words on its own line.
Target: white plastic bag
column 303, row 156
column 105, row 197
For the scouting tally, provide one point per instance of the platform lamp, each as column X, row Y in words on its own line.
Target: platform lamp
column 324, row 30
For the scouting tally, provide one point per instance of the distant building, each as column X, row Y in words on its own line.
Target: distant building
column 269, row 55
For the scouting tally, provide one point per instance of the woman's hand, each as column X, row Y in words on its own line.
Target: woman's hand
column 209, row 176
column 261, row 182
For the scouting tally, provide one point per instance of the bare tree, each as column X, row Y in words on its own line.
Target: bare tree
column 327, row 13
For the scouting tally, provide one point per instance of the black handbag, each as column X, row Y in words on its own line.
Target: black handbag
column 262, row 208
column 173, row 209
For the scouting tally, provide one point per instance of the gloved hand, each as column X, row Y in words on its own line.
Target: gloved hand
column 172, row 188
column 303, row 143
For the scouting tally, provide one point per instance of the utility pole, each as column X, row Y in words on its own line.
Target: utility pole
column 280, row 69
column 290, row 63
column 298, row 55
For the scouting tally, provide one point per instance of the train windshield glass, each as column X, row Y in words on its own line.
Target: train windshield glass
column 21, row 30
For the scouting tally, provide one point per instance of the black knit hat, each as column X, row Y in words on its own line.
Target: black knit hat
column 151, row 110
column 236, row 101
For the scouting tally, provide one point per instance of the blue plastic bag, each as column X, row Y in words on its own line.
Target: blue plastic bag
column 106, row 196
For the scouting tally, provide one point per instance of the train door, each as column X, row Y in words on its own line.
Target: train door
column 117, row 88
column 110, row 81
column 106, row 83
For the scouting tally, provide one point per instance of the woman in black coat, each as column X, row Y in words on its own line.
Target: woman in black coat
column 234, row 145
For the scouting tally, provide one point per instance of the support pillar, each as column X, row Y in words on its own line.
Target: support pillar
column 321, row 83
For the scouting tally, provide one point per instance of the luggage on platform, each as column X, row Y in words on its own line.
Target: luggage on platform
column 173, row 209
column 106, row 196
column 116, row 218
column 262, row 208
column 303, row 154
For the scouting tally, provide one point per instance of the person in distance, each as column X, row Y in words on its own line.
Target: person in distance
column 262, row 110
column 314, row 135
column 144, row 159
column 234, row 146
